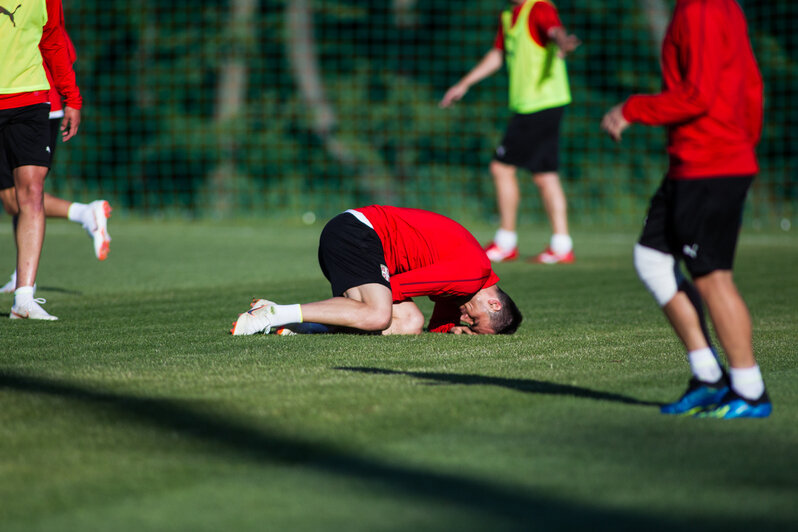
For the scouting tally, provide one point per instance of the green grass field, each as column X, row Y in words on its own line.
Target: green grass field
column 138, row 411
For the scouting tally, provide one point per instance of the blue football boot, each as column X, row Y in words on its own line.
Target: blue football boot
column 699, row 396
column 734, row 406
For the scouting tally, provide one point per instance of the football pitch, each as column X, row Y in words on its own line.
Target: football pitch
column 138, row 411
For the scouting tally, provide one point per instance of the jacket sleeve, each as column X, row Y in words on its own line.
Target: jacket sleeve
column 754, row 112
column 55, row 49
column 449, row 278
column 445, row 316
column 697, row 36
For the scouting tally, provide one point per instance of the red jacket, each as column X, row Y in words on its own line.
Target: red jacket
column 712, row 92
column 428, row 254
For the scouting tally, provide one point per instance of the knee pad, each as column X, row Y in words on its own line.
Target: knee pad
column 657, row 270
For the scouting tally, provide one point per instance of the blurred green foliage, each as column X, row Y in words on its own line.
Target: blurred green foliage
column 152, row 140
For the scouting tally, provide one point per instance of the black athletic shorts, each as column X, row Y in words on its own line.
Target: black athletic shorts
column 532, row 141
column 350, row 254
column 698, row 221
column 55, row 136
column 24, row 140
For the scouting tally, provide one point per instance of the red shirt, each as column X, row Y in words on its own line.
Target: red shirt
column 712, row 92
column 55, row 52
column 542, row 18
column 428, row 254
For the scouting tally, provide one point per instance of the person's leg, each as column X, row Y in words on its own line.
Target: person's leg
column 8, row 196
column 29, row 183
column 508, row 195
column 686, row 323
column 407, row 319
column 504, row 246
column 560, row 249
column 368, row 307
column 730, row 316
column 56, row 207
column 553, row 198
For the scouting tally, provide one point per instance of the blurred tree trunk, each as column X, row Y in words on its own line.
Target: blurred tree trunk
column 230, row 102
column 404, row 13
column 307, row 74
column 657, row 16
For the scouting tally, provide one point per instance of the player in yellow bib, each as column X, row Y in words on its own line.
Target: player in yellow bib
column 533, row 43
column 33, row 37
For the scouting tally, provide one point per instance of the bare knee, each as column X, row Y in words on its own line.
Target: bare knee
column 500, row 170
column 546, row 179
column 410, row 324
column 717, row 280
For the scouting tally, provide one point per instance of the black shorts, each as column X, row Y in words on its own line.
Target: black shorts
column 55, row 136
column 532, row 141
column 697, row 221
column 350, row 254
column 24, row 140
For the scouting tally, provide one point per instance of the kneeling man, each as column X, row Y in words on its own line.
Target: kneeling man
column 377, row 259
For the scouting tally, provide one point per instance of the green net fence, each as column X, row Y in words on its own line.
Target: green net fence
column 284, row 108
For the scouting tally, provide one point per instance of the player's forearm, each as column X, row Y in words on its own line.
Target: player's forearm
column 490, row 64
column 666, row 108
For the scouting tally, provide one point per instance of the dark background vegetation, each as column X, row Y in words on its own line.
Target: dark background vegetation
column 198, row 109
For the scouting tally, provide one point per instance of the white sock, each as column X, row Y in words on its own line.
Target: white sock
column 285, row 314
column 77, row 212
column 24, row 295
column 747, row 382
column 561, row 244
column 506, row 239
column 704, row 365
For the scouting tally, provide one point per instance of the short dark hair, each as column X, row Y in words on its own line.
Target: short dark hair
column 506, row 320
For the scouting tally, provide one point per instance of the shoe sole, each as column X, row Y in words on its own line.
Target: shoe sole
column 14, row 316
column 726, row 412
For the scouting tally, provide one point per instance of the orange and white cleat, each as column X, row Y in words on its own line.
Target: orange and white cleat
column 98, row 228
column 547, row 256
column 255, row 320
column 499, row 254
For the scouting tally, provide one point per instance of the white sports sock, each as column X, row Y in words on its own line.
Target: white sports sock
column 78, row 212
column 561, row 244
column 506, row 239
column 285, row 314
column 24, row 295
column 747, row 382
column 704, row 365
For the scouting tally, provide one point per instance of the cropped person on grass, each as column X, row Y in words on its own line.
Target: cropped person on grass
column 32, row 36
column 533, row 43
column 712, row 106
column 92, row 216
column 377, row 259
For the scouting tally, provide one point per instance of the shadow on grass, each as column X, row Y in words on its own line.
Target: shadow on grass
column 521, row 385
column 504, row 506
column 60, row 290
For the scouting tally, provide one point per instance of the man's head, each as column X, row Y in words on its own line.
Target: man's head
column 491, row 311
